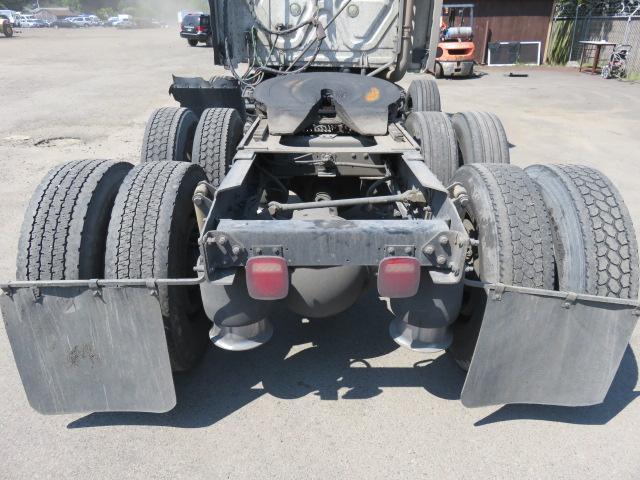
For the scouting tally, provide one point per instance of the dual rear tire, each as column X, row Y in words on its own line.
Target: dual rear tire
column 102, row 219
column 554, row 227
column 448, row 142
column 176, row 134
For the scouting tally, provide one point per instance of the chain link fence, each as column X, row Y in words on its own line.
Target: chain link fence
column 615, row 22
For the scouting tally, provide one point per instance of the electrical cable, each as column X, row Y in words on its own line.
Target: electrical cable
column 280, row 32
column 256, row 68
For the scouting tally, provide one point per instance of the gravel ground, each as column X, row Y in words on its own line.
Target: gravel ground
column 329, row 399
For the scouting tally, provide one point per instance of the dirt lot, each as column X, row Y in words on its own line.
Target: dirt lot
column 327, row 399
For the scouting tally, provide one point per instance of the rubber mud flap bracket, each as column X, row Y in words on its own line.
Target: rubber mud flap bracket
column 78, row 352
column 546, row 347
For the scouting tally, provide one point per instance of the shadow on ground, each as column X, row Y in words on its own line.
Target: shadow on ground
column 476, row 75
column 334, row 364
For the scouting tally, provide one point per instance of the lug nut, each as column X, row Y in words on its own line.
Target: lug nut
column 428, row 250
column 443, row 240
column 441, row 259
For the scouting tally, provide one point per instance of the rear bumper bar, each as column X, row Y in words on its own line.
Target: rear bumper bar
column 326, row 243
column 201, row 37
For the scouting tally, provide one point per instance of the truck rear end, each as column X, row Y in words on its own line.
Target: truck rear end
column 303, row 179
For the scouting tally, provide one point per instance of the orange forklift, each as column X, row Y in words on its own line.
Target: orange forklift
column 454, row 57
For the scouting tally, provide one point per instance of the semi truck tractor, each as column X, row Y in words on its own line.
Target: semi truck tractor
column 303, row 178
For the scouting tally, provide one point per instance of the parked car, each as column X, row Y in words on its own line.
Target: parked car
column 64, row 23
column 196, row 28
column 95, row 21
column 125, row 24
column 38, row 23
column 27, row 21
column 81, row 21
column 123, row 20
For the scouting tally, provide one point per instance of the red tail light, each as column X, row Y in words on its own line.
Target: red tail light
column 398, row 277
column 199, row 28
column 267, row 278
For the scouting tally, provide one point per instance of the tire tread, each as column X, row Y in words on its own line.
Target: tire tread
column 217, row 136
column 424, row 95
column 481, row 137
column 608, row 237
column 53, row 233
column 162, row 132
column 523, row 226
column 434, row 132
column 145, row 240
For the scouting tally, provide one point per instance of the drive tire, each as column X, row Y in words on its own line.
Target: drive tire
column 512, row 225
column 423, row 95
column 216, row 139
column 169, row 135
column 64, row 232
column 593, row 236
column 434, row 133
column 153, row 234
column 481, row 138
column 193, row 43
column 7, row 29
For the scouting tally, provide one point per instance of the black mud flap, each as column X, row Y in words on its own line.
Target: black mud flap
column 546, row 347
column 80, row 350
column 198, row 94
